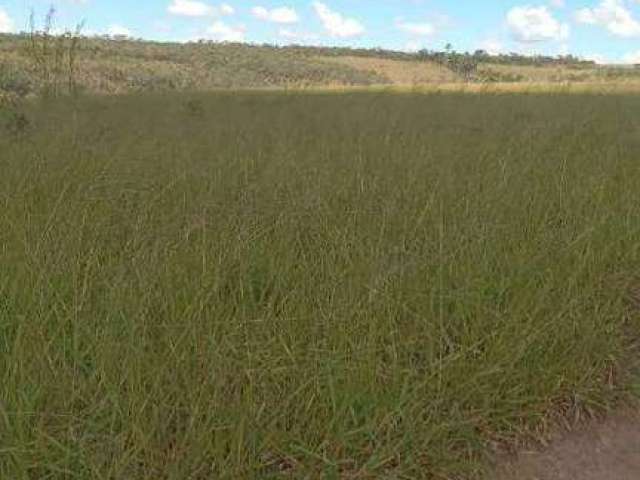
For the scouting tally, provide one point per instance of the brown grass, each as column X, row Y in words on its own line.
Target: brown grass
column 398, row 72
column 544, row 74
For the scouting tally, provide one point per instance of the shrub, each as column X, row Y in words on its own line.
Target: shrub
column 14, row 81
column 493, row 76
column 53, row 57
column 12, row 119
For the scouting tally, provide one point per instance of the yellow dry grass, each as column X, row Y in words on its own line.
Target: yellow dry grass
column 398, row 72
column 427, row 77
column 543, row 74
column 561, row 73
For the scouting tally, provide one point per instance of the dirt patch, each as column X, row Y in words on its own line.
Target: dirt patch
column 601, row 449
column 605, row 450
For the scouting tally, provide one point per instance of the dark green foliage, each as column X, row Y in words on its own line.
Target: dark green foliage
column 14, row 122
column 462, row 64
column 14, row 81
column 466, row 64
column 513, row 58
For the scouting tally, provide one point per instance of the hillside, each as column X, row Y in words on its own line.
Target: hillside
column 111, row 66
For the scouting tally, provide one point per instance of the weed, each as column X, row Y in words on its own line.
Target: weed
column 53, row 57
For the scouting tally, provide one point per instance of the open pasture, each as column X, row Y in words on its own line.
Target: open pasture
column 284, row 285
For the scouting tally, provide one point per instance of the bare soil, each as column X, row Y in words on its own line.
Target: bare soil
column 608, row 449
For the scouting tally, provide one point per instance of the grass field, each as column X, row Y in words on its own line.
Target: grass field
column 281, row 285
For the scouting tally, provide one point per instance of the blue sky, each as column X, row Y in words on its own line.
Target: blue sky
column 605, row 30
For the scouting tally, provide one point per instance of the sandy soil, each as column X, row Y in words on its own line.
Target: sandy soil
column 604, row 450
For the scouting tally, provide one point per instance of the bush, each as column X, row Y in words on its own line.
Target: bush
column 494, row 76
column 14, row 81
column 12, row 119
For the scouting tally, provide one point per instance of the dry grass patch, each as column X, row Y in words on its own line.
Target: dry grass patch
column 540, row 74
column 398, row 72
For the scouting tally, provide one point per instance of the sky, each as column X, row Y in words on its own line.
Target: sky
column 601, row 30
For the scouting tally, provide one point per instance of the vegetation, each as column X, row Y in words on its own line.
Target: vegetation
column 286, row 285
column 481, row 56
column 120, row 66
column 40, row 62
column 53, row 57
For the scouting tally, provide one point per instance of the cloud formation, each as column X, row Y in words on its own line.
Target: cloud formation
column 6, row 23
column 116, row 30
column 417, row 29
column 195, row 8
column 295, row 36
column 535, row 24
column 222, row 32
column 282, row 15
column 632, row 57
column 612, row 15
column 492, row 46
column 335, row 24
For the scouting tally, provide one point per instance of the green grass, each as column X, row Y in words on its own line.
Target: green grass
column 309, row 286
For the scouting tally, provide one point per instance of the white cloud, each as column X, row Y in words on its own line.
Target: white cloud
column 283, row 15
column 412, row 46
column 612, row 15
column 492, row 46
column 417, row 29
column 116, row 30
column 6, row 23
column 222, row 32
column 535, row 24
column 632, row 57
column 293, row 35
column 336, row 24
column 194, row 8
column 190, row 8
column 599, row 59
column 226, row 9
column 557, row 3
column 564, row 50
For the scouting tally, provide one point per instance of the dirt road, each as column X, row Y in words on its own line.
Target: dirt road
column 604, row 450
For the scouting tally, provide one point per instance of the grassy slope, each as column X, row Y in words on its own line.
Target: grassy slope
column 132, row 66
column 129, row 66
column 241, row 286
column 398, row 72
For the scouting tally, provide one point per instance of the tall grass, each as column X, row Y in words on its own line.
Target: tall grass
column 309, row 286
column 53, row 57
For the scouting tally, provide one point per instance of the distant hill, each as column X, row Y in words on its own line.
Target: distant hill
column 111, row 66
